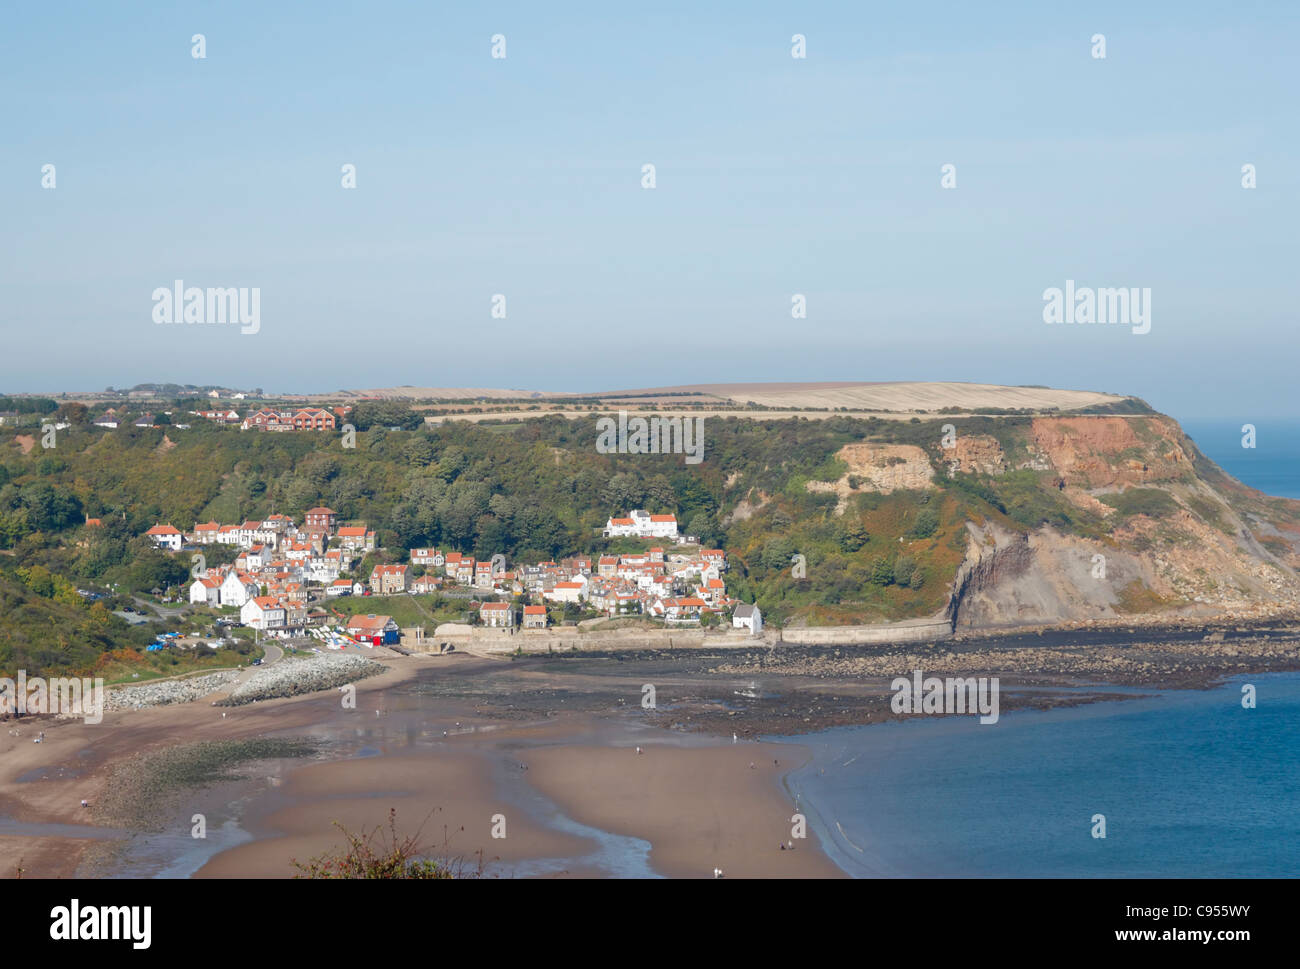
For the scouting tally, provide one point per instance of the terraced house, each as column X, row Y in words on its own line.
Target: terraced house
column 313, row 419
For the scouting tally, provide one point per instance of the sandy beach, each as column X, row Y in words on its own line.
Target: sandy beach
column 701, row 808
column 575, row 797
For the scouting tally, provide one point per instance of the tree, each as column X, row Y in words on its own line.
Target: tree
column 777, row 553
column 853, row 535
column 623, row 492
column 72, row 412
column 926, row 524
column 705, row 528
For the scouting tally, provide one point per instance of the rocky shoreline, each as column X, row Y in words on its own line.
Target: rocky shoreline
column 302, row 676
column 169, row 691
column 784, row 689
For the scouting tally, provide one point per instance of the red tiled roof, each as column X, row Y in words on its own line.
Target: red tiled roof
column 376, row 623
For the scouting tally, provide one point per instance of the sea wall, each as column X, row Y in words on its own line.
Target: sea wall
column 614, row 635
column 907, row 631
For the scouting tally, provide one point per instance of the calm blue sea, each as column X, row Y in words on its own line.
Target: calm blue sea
column 1272, row 466
column 1190, row 783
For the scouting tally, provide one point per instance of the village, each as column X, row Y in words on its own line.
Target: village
column 263, row 419
column 287, row 577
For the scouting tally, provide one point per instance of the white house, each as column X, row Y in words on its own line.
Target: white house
column 325, row 568
column 237, row 589
column 574, row 591
column 749, row 617
column 642, row 524
column 206, row 592
column 680, row 609
column 165, row 536
column 263, row 612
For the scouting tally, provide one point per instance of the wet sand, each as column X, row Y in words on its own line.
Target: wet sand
column 447, row 800
column 77, row 760
column 575, row 797
column 701, row 808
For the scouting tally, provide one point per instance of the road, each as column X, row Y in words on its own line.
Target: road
column 162, row 611
column 273, row 655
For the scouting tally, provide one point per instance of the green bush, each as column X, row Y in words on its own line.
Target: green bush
column 926, row 524
column 1152, row 502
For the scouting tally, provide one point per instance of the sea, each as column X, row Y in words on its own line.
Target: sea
column 1272, row 465
column 1184, row 783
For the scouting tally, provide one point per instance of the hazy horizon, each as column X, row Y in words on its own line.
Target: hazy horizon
column 775, row 176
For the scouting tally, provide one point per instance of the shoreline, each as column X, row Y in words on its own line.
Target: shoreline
column 558, row 716
column 454, row 787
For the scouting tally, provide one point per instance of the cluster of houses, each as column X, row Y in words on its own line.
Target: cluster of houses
column 266, row 419
column 278, row 561
column 281, row 564
column 113, row 418
column 303, row 419
column 678, row 587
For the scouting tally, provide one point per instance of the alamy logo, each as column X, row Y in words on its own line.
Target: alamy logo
column 129, row 923
column 182, row 304
column 66, row 696
column 953, row 695
column 1127, row 307
column 657, row 435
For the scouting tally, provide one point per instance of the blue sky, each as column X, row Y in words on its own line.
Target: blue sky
column 775, row 176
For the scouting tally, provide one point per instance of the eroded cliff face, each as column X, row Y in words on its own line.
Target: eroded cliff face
column 878, row 467
column 1214, row 547
column 1012, row 578
column 1109, row 452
